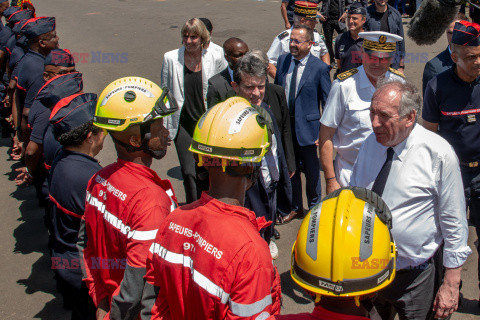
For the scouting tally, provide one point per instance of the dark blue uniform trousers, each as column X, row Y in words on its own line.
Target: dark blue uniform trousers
column 306, row 157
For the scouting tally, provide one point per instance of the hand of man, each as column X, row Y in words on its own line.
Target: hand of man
column 6, row 101
column 287, row 25
column 102, row 309
column 343, row 17
column 446, row 301
column 23, row 176
column 332, row 185
column 17, row 149
column 321, row 17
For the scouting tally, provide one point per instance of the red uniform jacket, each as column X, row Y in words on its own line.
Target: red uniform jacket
column 125, row 205
column 208, row 261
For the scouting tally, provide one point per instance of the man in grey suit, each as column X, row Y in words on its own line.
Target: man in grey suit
column 219, row 86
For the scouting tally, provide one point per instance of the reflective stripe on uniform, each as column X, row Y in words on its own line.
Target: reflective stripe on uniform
column 238, row 309
column 169, row 193
column 248, row 310
column 118, row 224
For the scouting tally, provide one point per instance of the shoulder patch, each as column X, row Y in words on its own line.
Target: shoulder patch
column 347, row 74
column 398, row 73
column 283, row 35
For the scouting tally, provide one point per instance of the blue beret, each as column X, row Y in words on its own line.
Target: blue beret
column 357, row 8
column 59, row 87
column 10, row 10
column 60, row 57
column 20, row 15
column 466, row 34
column 38, row 26
column 73, row 112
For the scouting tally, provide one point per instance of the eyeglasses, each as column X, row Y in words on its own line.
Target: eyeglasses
column 295, row 41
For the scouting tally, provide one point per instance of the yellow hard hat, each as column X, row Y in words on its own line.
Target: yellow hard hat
column 132, row 100
column 231, row 130
column 344, row 247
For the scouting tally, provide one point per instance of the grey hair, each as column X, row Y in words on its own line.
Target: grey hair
column 253, row 63
column 410, row 100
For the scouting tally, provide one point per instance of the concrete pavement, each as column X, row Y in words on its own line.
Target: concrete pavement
column 115, row 38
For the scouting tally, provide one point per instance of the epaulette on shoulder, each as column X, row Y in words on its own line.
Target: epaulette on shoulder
column 283, row 35
column 347, row 74
column 398, row 73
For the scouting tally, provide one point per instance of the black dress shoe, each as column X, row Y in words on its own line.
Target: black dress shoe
column 276, row 234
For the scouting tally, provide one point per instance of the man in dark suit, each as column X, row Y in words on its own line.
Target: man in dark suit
column 306, row 80
column 443, row 60
column 250, row 77
column 220, row 89
column 219, row 86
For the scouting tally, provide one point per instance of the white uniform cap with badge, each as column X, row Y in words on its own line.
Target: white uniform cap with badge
column 380, row 41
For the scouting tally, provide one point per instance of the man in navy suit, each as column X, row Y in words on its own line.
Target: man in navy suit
column 306, row 80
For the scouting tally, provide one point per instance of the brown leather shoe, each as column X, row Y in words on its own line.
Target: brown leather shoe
column 292, row 215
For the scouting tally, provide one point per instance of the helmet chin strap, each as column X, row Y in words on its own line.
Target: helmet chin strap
column 145, row 136
column 253, row 176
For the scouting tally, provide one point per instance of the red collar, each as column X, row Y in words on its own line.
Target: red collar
column 259, row 223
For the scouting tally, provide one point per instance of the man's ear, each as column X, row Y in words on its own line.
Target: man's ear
column 454, row 57
column 234, row 86
column 41, row 43
column 411, row 117
column 89, row 137
column 135, row 141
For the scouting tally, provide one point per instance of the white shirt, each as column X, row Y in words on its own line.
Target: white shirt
column 267, row 177
column 288, row 78
column 281, row 45
column 424, row 192
column 213, row 62
column 348, row 109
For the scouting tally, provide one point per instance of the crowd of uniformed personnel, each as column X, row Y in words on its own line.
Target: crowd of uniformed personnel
column 390, row 237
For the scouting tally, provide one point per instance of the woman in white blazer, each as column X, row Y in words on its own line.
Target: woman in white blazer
column 185, row 72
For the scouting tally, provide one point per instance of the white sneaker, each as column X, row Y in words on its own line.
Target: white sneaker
column 273, row 250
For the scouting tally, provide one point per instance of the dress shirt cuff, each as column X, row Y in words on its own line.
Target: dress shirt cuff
column 455, row 259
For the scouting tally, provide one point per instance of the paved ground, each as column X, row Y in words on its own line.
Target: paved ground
column 114, row 38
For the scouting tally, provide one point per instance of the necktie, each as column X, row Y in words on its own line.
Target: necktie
column 381, row 179
column 293, row 89
column 272, row 166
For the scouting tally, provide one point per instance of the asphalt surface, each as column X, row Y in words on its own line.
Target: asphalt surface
column 115, row 38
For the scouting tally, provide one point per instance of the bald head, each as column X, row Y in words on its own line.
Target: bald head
column 234, row 49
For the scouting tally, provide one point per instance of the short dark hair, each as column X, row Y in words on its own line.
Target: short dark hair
column 307, row 28
column 76, row 136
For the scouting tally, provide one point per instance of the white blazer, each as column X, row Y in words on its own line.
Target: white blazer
column 213, row 62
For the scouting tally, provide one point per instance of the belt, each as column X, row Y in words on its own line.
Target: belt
column 472, row 164
column 421, row 266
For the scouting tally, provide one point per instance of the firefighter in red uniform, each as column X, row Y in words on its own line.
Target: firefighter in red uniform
column 126, row 201
column 344, row 254
column 208, row 260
